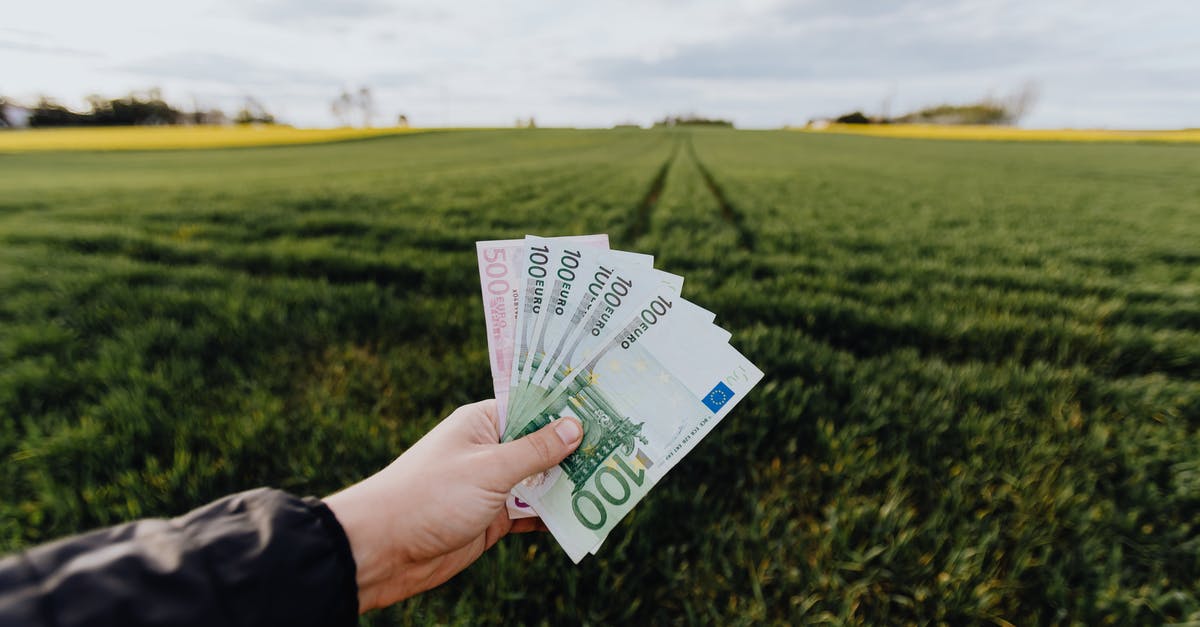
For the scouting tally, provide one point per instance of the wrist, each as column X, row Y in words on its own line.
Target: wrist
column 372, row 567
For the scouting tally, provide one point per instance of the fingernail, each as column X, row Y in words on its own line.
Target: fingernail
column 567, row 430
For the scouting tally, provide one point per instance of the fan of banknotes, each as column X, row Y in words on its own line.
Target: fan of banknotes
column 576, row 329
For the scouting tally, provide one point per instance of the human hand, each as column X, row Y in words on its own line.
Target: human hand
column 440, row 505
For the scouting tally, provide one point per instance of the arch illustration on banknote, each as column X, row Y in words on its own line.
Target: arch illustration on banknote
column 605, row 430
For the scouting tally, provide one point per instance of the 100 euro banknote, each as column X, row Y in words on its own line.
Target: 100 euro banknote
column 645, row 399
column 618, row 290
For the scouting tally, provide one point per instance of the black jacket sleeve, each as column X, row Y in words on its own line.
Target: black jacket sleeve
column 262, row 557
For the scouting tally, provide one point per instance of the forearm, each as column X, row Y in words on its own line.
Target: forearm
column 261, row 557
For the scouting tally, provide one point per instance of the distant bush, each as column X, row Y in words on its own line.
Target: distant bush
column 132, row 110
column 253, row 112
column 692, row 119
column 986, row 112
column 47, row 112
column 853, row 118
column 137, row 109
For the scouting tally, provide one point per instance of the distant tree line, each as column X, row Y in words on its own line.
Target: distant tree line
column 691, row 119
column 978, row 113
column 137, row 109
column 988, row 111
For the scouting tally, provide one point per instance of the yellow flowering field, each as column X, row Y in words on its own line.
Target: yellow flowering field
column 1008, row 133
column 178, row 137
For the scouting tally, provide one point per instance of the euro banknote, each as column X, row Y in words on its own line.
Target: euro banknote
column 645, row 398
column 615, row 305
column 499, row 263
column 577, row 330
column 500, row 267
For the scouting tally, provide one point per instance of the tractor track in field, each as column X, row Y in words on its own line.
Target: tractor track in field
column 645, row 207
column 734, row 217
column 649, row 201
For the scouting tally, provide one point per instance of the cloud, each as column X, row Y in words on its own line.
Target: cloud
column 838, row 40
column 220, row 68
column 396, row 78
column 341, row 12
column 36, row 48
column 24, row 33
column 303, row 10
column 36, row 42
column 809, row 10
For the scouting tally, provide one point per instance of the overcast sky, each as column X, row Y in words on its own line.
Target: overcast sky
column 763, row 63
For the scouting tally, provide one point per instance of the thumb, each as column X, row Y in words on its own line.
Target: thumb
column 538, row 451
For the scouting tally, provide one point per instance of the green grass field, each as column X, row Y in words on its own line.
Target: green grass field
column 983, row 359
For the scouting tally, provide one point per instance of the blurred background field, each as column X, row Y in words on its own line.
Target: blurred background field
column 982, row 358
column 179, row 137
column 118, row 138
column 982, row 132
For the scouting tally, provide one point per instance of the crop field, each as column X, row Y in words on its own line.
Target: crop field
column 178, row 137
column 982, row 359
column 1010, row 133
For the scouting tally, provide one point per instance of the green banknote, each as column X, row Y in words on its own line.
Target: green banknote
column 627, row 286
column 570, row 312
column 537, row 262
column 568, row 276
column 646, row 396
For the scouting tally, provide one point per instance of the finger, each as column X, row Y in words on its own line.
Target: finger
column 525, row 525
column 485, row 407
column 538, row 451
column 489, row 408
column 499, row 527
column 477, row 423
